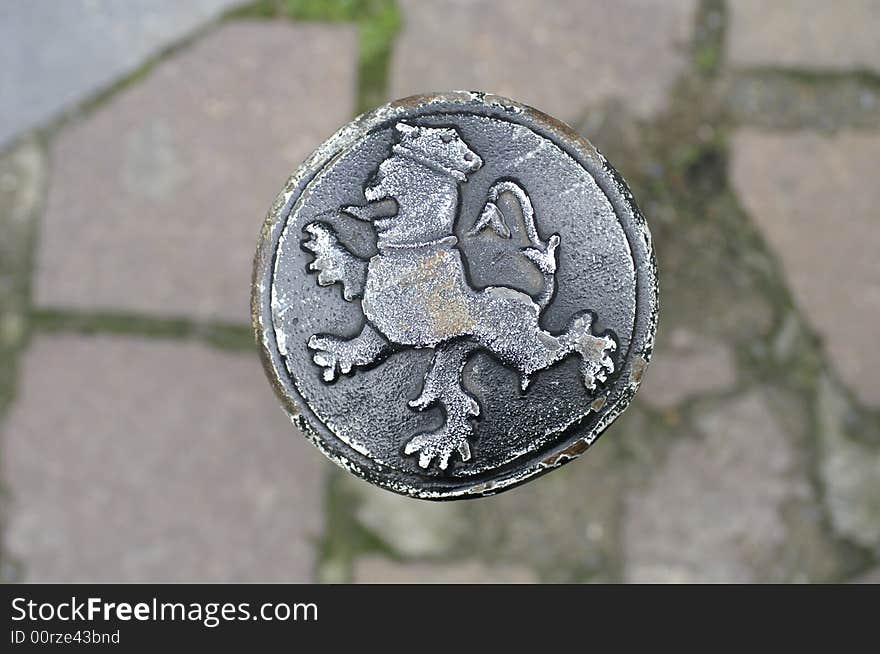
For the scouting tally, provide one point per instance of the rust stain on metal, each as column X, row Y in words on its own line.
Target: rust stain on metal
column 574, row 450
column 638, row 369
column 410, row 102
column 445, row 316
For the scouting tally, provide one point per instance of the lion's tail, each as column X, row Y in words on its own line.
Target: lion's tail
column 541, row 253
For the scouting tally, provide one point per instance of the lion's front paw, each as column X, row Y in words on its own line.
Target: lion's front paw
column 439, row 445
column 333, row 355
column 333, row 263
column 596, row 366
column 595, row 350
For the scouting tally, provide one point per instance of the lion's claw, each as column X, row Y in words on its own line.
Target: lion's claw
column 333, row 263
column 438, row 445
column 595, row 370
column 595, row 350
column 331, row 355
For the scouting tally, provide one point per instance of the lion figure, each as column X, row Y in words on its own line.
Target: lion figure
column 414, row 292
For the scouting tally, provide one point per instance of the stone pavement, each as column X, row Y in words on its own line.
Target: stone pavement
column 56, row 54
column 744, row 469
column 558, row 57
column 140, row 441
column 181, row 173
column 792, row 185
column 137, row 460
column 805, row 34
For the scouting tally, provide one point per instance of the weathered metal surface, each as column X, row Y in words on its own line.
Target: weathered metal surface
column 453, row 294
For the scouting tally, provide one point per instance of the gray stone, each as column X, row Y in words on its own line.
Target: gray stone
column 156, row 200
column 686, row 365
column 713, row 511
column 870, row 577
column 815, row 199
column 55, row 54
column 410, row 527
column 850, row 471
column 152, row 461
column 377, row 570
column 562, row 526
column 556, row 57
column 816, row 35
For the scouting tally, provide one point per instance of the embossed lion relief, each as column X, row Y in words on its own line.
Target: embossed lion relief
column 414, row 292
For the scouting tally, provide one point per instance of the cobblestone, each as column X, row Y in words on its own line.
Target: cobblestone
column 55, row 54
column 163, row 460
column 558, row 57
column 850, row 470
column 779, row 100
column 156, row 200
column 713, row 510
column 155, row 461
column 412, row 528
column 871, row 577
column 797, row 34
column 815, row 200
column 563, row 525
column 686, row 366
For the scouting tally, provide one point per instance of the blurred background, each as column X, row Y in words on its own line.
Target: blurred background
column 142, row 142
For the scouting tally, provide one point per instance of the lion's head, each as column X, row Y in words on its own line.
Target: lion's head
column 421, row 174
column 440, row 149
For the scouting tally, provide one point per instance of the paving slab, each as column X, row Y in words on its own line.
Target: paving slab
column 712, row 511
column 412, row 528
column 156, row 199
column 378, row 570
column 849, row 467
column 155, row 461
column 55, row 54
column 558, row 57
column 870, row 577
column 815, row 199
column 809, row 34
column 687, row 365
column 563, row 526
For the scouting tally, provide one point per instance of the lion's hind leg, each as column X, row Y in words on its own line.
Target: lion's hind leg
column 514, row 335
column 511, row 332
column 443, row 386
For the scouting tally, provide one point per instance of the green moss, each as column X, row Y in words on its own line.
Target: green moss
column 867, row 79
column 23, row 172
column 344, row 538
column 707, row 59
column 226, row 336
column 708, row 44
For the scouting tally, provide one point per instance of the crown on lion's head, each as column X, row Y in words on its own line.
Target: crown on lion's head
column 440, row 148
column 437, row 150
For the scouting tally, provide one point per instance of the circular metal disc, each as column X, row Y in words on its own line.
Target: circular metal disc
column 453, row 294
